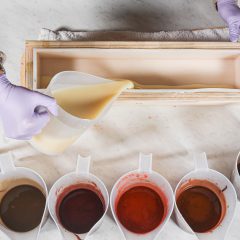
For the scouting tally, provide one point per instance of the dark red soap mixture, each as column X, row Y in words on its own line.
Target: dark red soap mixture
column 200, row 207
column 80, row 210
column 140, row 209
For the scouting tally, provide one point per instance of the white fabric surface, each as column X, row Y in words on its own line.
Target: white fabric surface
column 171, row 133
column 217, row 34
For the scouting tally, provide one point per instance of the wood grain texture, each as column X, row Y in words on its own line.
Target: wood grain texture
column 132, row 44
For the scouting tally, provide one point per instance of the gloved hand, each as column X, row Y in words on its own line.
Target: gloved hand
column 230, row 12
column 23, row 112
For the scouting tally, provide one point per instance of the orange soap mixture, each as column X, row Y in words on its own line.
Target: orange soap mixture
column 140, row 209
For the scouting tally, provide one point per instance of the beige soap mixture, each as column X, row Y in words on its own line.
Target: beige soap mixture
column 89, row 101
column 85, row 102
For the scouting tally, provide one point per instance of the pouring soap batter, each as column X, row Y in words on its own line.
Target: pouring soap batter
column 89, row 101
column 86, row 102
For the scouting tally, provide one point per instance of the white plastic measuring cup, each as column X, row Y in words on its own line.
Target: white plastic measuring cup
column 65, row 129
column 203, row 174
column 12, row 176
column 80, row 176
column 235, row 177
column 144, row 175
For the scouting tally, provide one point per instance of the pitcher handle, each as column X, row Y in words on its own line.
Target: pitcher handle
column 200, row 160
column 6, row 162
column 145, row 162
column 83, row 164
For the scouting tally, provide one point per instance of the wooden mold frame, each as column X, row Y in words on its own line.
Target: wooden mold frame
column 222, row 58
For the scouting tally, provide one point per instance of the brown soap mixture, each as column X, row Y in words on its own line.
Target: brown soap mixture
column 200, row 207
column 238, row 167
column 22, row 208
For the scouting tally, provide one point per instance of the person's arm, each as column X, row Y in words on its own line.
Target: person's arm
column 23, row 112
column 230, row 13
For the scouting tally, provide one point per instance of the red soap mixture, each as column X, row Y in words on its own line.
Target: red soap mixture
column 141, row 209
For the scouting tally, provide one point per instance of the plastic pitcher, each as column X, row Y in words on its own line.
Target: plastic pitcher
column 16, row 175
column 203, row 173
column 80, row 176
column 65, row 129
column 143, row 175
column 235, row 177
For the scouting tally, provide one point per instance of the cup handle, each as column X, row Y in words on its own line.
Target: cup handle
column 6, row 162
column 145, row 162
column 83, row 164
column 200, row 160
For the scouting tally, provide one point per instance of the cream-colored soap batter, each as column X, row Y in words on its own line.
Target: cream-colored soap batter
column 84, row 102
column 89, row 101
column 183, row 86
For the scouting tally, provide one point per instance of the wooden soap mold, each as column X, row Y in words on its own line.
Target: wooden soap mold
column 195, row 96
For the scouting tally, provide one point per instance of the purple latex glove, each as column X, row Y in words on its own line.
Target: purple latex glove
column 230, row 12
column 23, row 112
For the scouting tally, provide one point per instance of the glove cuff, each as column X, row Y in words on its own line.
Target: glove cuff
column 220, row 2
column 3, row 80
column 5, row 87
